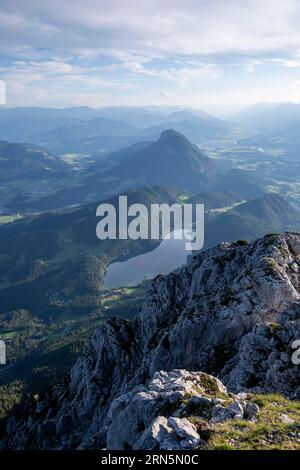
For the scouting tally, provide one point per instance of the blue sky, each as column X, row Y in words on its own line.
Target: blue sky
column 215, row 55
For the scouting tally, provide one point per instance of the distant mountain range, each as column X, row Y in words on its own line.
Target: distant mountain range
column 172, row 160
column 85, row 130
column 195, row 128
column 281, row 120
column 98, row 126
column 22, row 124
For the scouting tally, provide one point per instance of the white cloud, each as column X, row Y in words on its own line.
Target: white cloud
column 157, row 27
column 250, row 65
column 2, row 92
column 292, row 63
column 58, row 83
column 165, row 94
column 62, row 50
column 295, row 91
column 182, row 76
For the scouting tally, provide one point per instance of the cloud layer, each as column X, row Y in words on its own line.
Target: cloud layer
column 99, row 52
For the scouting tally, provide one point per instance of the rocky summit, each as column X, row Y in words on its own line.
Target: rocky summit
column 206, row 363
column 165, row 404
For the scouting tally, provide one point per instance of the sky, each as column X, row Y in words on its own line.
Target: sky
column 216, row 55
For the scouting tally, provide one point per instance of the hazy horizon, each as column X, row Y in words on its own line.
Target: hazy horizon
column 214, row 111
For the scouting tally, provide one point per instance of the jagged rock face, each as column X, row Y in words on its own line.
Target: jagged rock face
column 137, row 418
column 233, row 312
column 156, row 416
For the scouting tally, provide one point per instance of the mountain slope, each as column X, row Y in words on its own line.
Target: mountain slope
column 94, row 127
column 51, row 291
column 89, row 136
column 242, row 182
column 24, row 124
column 85, row 135
column 78, row 129
column 121, row 155
column 272, row 208
column 28, row 173
column 233, row 312
column 54, row 262
column 171, row 160
column 215, row 200
column 253, row 219
column 25, row 161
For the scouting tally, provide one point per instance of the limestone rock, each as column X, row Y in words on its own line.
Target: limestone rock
column 232, row 312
